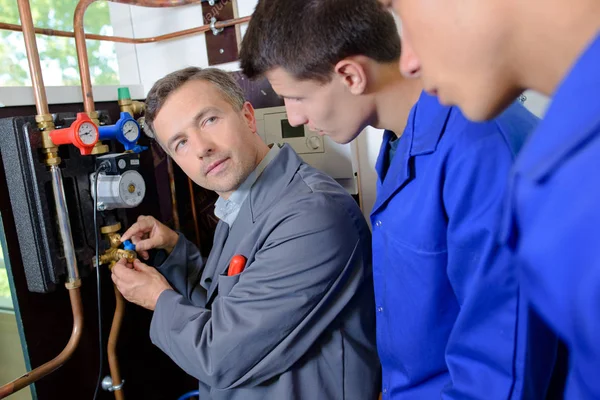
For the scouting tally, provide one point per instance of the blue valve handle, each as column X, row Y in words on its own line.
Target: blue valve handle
column 127, row 245
column 138, row 149
column 112, row 132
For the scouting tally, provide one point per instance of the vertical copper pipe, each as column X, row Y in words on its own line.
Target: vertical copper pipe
column 194, row 214
column 33, row 58
column 113, row 362
column 58, row 361
column 82, row 57
column 171, row 173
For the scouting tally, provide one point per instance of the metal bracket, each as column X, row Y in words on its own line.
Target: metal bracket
column 107, row 384
column 213, row 28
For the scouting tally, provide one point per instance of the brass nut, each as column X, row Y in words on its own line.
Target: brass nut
column 43, row 118
column 73, row 284
column 114, row 239
column 100, row 148
column 105, row 230
column 53, row 161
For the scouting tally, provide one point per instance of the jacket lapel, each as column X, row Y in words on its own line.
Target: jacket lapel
column 266, row 190
column 223, row 255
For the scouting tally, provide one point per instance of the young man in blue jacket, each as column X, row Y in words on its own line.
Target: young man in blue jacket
column 552, row 216
column 440, row 188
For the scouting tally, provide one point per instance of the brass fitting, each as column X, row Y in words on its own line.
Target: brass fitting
column 114, row 254
column 105, row 230
column 94, row 117
column 45, row 124
column 132, row 107
column 73, row 285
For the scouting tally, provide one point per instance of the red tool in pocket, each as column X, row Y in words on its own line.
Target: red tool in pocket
column 236, row 265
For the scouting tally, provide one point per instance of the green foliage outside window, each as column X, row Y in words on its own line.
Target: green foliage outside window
column 58, row 55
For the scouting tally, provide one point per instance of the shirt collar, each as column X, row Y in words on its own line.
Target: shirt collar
column 429, row 122
column 228, row 210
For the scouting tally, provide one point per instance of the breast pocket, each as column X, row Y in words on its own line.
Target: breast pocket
column 226, row 284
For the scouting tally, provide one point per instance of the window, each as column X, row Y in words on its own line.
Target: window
column 57, row 54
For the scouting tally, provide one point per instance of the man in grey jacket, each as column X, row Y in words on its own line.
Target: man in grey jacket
column 298, row 322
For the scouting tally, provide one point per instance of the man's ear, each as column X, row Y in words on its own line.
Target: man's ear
column 351, row 71
column 248, row 112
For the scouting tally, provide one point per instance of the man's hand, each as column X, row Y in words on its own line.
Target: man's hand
column 141, row 284
column 147, row 233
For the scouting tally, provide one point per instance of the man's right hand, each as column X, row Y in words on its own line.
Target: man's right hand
column 148, row 233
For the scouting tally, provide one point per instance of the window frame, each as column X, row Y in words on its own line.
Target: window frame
column 127, row 61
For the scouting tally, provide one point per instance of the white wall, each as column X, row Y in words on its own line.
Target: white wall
column 146, row 63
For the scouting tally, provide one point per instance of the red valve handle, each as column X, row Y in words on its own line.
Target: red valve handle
column 71, row 135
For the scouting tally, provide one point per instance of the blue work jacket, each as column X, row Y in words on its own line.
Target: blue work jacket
column 440, row 331
column 552, row 221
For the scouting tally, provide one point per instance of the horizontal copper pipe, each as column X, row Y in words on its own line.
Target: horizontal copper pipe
column 33, row 58
column 113, row 361
column 120, row 39
column 58, row 361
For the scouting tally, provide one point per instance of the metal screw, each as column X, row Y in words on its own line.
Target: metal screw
column 522, row 98
column 221, row 51
column 211, row 2
column 101, row 206
column 107, row 383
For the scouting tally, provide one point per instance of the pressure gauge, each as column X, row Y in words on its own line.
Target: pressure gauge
column 126, row 131
column 131, row 131
column 88, row 133
column 82, row 133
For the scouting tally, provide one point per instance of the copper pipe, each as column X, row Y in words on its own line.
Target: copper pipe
column 171, row 173
column 82, row 58
column 120, row 39
column 33, row 58
column 58, row 361
column 113, row 362
column 194, row 215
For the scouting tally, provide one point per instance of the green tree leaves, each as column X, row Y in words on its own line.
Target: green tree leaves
column 57, row 55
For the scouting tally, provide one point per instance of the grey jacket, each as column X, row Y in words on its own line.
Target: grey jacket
column 299, row 321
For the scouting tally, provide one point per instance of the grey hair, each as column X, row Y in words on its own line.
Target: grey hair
column 163, row 88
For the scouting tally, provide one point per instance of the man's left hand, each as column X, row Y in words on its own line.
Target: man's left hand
column 141, row 284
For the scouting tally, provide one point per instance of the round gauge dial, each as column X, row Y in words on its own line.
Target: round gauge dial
column 131, row 131
column 88, row 134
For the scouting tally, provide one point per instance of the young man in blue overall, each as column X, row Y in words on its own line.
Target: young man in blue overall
column 552, row 218
column 440, row 189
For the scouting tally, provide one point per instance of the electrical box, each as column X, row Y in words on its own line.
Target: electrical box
column 318, row 151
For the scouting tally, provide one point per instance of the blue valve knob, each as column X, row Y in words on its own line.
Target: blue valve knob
column 126, row 130
column 127, row 245
column 138, row 149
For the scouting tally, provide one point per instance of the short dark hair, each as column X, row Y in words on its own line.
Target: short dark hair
column 308, row 38
column 161, row 90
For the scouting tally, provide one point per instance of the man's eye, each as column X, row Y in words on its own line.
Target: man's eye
column 180, row 144
column 210, row 121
